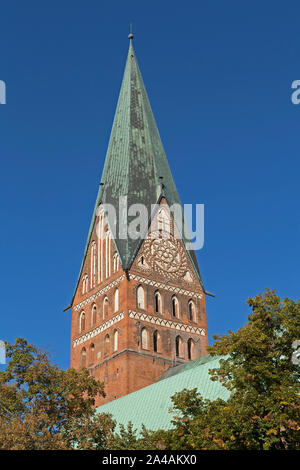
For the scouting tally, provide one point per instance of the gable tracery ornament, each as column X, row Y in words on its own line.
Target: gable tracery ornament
column 165, row 255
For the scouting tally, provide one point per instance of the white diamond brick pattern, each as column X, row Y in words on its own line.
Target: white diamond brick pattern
column 167, row 323
column 100, row 292
column 98, row 330
column 176, row 290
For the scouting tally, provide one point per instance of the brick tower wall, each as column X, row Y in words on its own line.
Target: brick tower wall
column 127, row 342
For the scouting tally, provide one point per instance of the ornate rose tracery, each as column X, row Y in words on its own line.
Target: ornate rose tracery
column 165, row 255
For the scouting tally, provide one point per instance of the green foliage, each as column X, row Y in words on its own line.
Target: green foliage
column 129, row 439
column 43, row 407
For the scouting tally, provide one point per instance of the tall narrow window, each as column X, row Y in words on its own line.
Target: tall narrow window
column 164, row 220
column 144, row 338
column 190, row 345
column 116, row 262
column 82, row 322
column 94, row 315
column 92, row 354
column 140, row 297
column 107, row 254
column 83, row 357
column 106, row 345
column 105, row 308
column 156, row 341
column 93, row 264
column 175, row 307
column 101, row 250
column 116, row 338
column 157, row 302
column 84, row 284
column 116, row 300
column 178, row 342
column 191, row 309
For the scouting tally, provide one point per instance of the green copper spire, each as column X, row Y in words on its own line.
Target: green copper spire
column 136, row 165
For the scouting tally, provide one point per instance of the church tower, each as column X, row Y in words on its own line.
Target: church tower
column 139, row 303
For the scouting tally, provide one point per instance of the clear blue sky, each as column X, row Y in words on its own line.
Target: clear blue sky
column 219, row 77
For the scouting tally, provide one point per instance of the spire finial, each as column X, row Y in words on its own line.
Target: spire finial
column 130, row 35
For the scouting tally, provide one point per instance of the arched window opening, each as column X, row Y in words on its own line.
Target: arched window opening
column 115, row 262
column 191, row 308
column 82, row 322
column 116, row 300
column 156, row 341
column 140, row 297
column 116, row 338
column 175, row 307
column 84, row 284
column 164, row 220
column 92, row 354
column 144, row 338
column 105, row 308
column 106, row 345
column 94, row 315
column 93, row 264
column 83, row 357
column 178, row 342
column 157, row 302
column 191, row 346
column 107, row 254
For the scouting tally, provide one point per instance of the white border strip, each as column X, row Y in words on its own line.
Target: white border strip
column 100, row 292
column 98, row 330
column 167, row 323
column 177, row 290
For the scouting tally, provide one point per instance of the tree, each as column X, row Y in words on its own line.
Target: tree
column 258, row 368
column 44, row 407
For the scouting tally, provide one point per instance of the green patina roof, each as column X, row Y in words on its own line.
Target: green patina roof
column 150, row 405
column 135, row 160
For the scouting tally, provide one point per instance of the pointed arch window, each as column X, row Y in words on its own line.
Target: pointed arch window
column 93, row 264
column 140, row 294
column 116, row 262
column 116, row 300
column 83, row 357
column 144, row 335
column 156, row 341
column 116, row 340
column 191, row 347
column 178, row 346
column 81, row 322
column 107, row 253
column 157, row 302
column 175, row 307
column 94, row 315
column 106, row 345
column 105, row 308
column 164, row 220
column 84, row 284
column 191, row 311
column 92, row 354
